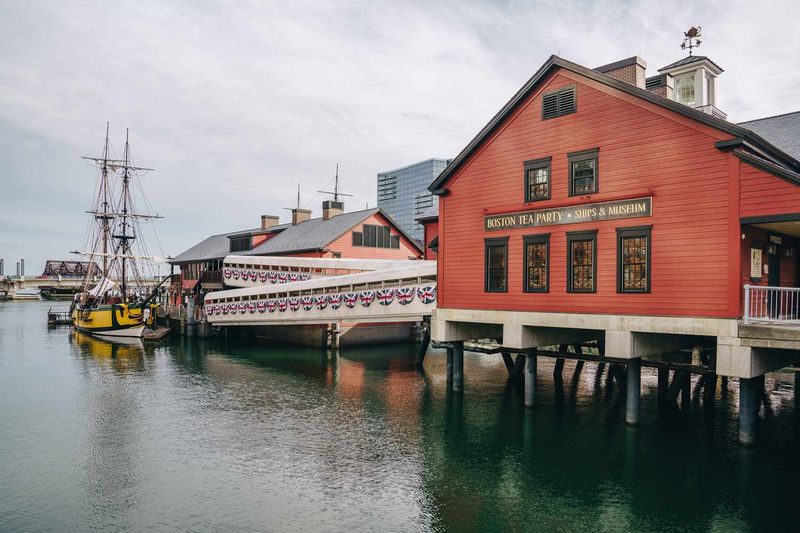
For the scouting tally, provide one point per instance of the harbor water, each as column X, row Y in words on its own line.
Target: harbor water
column 193, row 435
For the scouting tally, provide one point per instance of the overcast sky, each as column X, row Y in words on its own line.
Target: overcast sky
column 234, row 103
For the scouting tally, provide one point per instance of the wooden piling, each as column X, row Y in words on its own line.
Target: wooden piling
column 509, row 362
column 450, row 366
column 458, row 367
column 633, row 393
column 423, row 348
column 748, row 410
column 530, row 377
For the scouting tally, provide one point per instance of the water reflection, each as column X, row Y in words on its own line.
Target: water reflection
column 199, row 435
column 123, row 355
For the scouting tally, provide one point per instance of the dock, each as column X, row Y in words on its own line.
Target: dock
column 58, row 318
column 152, row 335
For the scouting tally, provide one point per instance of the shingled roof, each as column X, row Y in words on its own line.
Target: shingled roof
column 214, row 247
column 782, row 130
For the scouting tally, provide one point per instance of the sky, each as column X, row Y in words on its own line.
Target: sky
column 235, row 103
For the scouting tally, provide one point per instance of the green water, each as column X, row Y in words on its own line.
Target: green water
column 209, row 436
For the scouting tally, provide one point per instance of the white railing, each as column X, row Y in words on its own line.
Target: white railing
column 778, row 305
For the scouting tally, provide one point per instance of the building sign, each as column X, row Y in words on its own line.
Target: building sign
column 639, row 207
column 755, row 263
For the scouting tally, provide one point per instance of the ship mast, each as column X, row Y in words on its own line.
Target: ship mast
column 124, row 238
column 104, row 216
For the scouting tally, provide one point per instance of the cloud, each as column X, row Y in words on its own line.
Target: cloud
column 234, row 103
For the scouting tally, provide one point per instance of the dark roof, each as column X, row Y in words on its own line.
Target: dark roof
column 260, row 231
column 782, row 130
column 686, row 60
column 316, row 233
column 214, row 247
column 555, row 62
column 312, row 234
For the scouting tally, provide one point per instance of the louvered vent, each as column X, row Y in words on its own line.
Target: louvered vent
column 550, row 105
column 566, row 101
column 558, row 103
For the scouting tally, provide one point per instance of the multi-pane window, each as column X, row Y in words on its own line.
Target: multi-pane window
column 496, row 265
column 633, row 259
column 376, row 237
column 537, row 262
column 583, row 172
column 537, row 179
column 684, row 90
column 582, row 261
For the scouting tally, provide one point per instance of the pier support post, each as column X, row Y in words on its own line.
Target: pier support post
column 748, row 410
column 558, row 369
column 423, row 348
column 530, row 377
column 450, row 366
column 458, row 367
column 633, row 396
column 797, row 388
column 509, row 362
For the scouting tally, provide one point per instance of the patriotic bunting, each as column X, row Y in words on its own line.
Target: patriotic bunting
column 405, row 295
column 251, row 307
column 335, row 300
column 282, row 304
column 350, row 300
column 385, row 296
column 367, row 297
column 272, row 305
column 294, row 304
column 262, row 306
column 307, row 302
column 427, row 294
column 321, row 301
column 227, row 273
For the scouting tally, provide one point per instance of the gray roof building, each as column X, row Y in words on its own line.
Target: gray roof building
column 313, row 234
column 306, row 235
column 781, row 130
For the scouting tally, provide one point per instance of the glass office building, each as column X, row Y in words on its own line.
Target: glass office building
column 403, row 193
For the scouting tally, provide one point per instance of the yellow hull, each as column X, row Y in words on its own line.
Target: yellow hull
column 117, row 320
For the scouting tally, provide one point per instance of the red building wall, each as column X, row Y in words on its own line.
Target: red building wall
column 763, row 194
column 431, row 232
column 644, row 150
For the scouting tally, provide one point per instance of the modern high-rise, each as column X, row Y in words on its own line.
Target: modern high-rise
column 404, row 194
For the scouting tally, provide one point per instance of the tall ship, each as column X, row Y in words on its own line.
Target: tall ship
column 120, row 300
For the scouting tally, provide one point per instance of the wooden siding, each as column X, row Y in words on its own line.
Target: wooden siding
column 644, row 150
column 762, row 193
column 431, row 232
column 344, row 244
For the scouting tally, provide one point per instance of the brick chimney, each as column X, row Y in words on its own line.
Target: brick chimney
column 300, row 215
column 331, row 208
column 268, row 221
column 629, row 70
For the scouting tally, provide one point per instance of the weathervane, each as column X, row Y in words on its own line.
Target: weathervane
column 691, row 39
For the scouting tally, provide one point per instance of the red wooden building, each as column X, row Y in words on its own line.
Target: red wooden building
column 370, row 233
column 601, row 204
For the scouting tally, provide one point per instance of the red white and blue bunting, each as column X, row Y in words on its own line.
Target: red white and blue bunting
column 405, row 295
column 385, row 297
column 264, row 276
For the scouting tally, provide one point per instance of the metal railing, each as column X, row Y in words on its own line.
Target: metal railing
column 778, row 305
